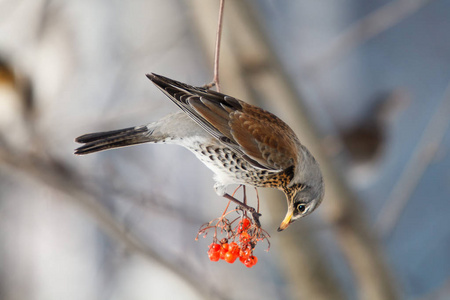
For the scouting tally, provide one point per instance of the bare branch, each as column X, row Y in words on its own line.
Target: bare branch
column 60, row 176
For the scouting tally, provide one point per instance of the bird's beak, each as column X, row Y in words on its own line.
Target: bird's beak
column 287, row 220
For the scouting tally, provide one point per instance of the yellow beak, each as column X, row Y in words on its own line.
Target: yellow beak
column 286, row 221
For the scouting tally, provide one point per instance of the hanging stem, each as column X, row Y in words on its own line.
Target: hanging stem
column 217, row 51
column 215, row 81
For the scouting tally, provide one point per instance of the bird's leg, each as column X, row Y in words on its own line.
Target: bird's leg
column 257, row 200
column 255, row 214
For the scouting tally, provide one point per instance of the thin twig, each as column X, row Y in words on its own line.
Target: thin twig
column 422, row 156
column 217, row 48
column 229, row 201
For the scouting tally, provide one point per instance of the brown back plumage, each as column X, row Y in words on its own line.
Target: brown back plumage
column 261, row 137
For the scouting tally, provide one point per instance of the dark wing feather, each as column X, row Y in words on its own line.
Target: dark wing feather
column 259, row 136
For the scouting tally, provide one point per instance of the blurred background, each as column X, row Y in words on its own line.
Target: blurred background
column 364, row 84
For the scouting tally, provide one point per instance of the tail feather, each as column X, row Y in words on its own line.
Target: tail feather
column 99, row 141
column 91, row 137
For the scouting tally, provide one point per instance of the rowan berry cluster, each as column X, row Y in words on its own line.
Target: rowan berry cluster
column 240, row 240
column 239, row 243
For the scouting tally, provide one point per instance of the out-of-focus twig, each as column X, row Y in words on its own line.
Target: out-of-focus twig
column 65, row 179
column 370, row 26
column 422, row 156
column 33, row 160
column 145, row 200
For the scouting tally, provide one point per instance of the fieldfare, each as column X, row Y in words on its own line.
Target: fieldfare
column 239, row 142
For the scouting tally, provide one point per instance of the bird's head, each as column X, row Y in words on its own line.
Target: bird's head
column 302, row 200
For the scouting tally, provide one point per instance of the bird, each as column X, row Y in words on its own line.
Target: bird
column 241, row 144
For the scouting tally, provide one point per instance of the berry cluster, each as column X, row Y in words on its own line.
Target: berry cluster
column 245, row 233
column 230, row 252
column 240, row 240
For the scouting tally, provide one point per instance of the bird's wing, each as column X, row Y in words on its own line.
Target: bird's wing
column 259, row 136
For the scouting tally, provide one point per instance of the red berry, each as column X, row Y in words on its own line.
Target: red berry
column 214, row 247
column 241, row 253
column 214, row 252
column 245, row 223
column 222, row 252
column 243, row 259
column 225, row 246
column 214, row 255
column 255, row 259
column 251, row 261
column 233, row 248
column 230, row 257
column 245, row 254
column 244, row 236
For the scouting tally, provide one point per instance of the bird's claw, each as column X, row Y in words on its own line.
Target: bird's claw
column 255, row 216
column 254, row 213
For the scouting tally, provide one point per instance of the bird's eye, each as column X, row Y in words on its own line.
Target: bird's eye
column 301, row 208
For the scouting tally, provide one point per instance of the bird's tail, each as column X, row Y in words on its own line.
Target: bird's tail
column 99, row 141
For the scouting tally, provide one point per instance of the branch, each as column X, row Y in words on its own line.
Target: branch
column 63, row 178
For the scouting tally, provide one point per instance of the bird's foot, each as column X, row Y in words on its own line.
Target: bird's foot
column 255, row 215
